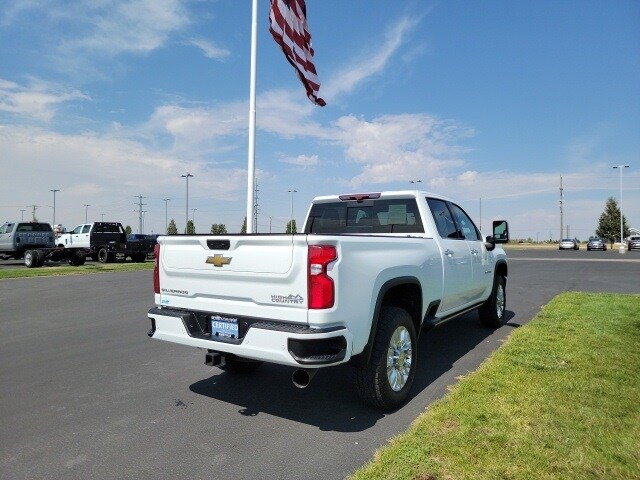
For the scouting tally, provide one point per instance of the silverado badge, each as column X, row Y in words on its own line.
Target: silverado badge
column 218, row 260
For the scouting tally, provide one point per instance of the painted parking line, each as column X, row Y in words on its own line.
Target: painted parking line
column 627, row 260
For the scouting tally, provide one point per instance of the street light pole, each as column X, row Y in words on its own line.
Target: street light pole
column 54, row 204
column 620, row 167
column 193, row 219
column 187, row 209
column 166, row 224
column 291, row 218
column 86, row 212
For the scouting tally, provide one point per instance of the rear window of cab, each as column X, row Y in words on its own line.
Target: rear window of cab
column 366, row 216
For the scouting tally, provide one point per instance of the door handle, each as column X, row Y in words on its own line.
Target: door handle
column 448, row 253
column 474, row 252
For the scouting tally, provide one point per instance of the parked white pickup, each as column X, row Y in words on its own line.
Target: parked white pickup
column 367, row 275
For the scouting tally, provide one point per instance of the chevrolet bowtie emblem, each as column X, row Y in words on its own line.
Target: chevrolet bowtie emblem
column 218, row 260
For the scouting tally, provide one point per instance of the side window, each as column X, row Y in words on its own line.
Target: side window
column 442, row 218
column 78, row 229
column 466, row 226
column 86, row 229
column 2, row 229
column 9, row 228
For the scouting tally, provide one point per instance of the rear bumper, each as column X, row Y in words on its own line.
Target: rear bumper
column 259, row 339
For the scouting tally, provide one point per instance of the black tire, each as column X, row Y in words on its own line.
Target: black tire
column 81, row 257
column 41, row 258
column 30, row 259
column 103, row 256
column 492, row 311
column 385, row 382
column 235, row 364
column 77, row 258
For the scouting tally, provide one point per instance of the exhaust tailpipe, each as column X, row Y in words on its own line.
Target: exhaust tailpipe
column 302, row 377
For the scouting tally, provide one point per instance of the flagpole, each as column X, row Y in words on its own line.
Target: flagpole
column 251, row 161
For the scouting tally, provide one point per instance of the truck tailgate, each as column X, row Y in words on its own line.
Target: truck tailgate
column 248, row 275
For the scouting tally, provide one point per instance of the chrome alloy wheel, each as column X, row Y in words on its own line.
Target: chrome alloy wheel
column 399, row 355
column 500, row 301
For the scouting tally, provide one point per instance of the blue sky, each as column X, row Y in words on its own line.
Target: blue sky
column 108, row 100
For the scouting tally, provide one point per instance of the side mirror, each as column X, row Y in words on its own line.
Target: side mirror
column 500, row 231
column 500, row 234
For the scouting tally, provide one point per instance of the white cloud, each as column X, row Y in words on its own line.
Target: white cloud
column 37, row 101
column 373, row 63
column 104, row 171
column 116, row 27
column 394, row 148
column 210, row 49
column 302, row 160
column 467, row 178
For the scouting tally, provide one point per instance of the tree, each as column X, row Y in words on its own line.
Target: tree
column 609, row 222
column 291, row 227
column 191, row 228
column 218, row 229
column 127, row 230
column 172, row 229
column 243, row 230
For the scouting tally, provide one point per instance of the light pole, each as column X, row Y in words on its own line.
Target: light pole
column 22, row 210
column 54, row 204
column 193, row 219
column 102, row 215
column 620, row 167
column 291, row 218
column 166, row 224
column 187, row 209
column 86, row 212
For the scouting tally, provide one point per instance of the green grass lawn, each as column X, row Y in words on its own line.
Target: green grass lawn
column 64, row 269
column 560, row 400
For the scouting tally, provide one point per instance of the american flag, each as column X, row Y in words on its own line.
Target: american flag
column 288, row 26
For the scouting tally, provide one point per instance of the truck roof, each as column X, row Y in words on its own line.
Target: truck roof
column 387, row 194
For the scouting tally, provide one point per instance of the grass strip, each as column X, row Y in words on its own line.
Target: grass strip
column 560, row 399
column 88, row 268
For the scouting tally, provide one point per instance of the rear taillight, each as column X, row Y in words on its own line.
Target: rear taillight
column 156, row 268
column 321, row 290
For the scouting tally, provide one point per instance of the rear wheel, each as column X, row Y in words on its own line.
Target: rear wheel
column 30, row 259
column 138, row 257
column 385, row 382
column 77, row 258
column 41, row 257
column 103, row 256
column 492, row 311
column 235, row 364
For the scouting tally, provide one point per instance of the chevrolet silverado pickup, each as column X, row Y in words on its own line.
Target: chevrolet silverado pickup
column 369, row 273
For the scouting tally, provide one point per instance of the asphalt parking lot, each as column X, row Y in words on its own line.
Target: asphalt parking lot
column 86, row 394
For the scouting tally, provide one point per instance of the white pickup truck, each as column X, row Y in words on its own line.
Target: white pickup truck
column 369, row 273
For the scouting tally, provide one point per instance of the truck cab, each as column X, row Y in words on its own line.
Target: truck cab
column 79, row 237
column 17, row 237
